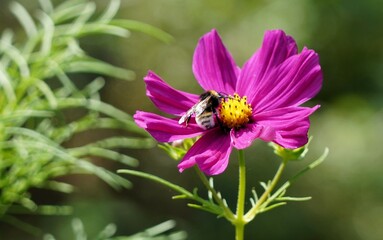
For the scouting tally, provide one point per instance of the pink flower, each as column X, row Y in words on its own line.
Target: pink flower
column 276, row 80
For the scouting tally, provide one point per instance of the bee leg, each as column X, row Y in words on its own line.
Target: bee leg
column 187, row 120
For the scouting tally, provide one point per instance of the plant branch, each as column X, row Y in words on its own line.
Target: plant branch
column 249, row 216
column 227, row 212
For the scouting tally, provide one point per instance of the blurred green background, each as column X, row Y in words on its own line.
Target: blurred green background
column 347, row 189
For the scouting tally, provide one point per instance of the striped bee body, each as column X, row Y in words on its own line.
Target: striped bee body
column 205, row 110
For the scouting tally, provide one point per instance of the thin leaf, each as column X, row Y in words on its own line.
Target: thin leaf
column 24, row 114
column 48, row 237
column 272, row 207
column 294, row 199
column 5, row 40
column 14, row 54
column 47, row 92
column 93, row 87
column 98, row 28
column 68, row 86
column 112, row 179
column 78, row 229
column 58, row 186
column 93, row 66
column 160, row 228
column 158, row 180
column 48, row 26
column 85, row 15
column 33, row 135
column 47, row 210
column 20, row 224
column 96, row 106
column 105, row 153
column 143, row 27
column 24, row 18
column 66, row 12
column 311, row 166
column 124, row 142
column 110, row 11
column 46, row 5
column 107, row 232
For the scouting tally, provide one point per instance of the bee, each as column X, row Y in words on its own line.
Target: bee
column 205, row 110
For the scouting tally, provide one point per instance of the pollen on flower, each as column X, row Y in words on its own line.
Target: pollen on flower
column 234, row 112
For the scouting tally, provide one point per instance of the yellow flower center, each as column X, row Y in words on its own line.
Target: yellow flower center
column 234, row 112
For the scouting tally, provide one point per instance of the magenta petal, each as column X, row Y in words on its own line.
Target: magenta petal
column 164, row 129
column 166, row 98
column 242, row 138
column 292, row 83
column 211, row 153
column 213, row 66
column 275, row 49
column 291, row 124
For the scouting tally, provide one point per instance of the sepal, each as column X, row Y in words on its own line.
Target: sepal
column 177, row 149
column 290, row 154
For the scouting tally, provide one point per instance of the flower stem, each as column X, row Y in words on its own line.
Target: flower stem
column 255, row 209
column 240, row 222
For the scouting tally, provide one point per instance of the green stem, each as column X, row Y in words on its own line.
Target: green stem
column 240, row 222
column 239, row 231
column 227, row 212
column 255, row 209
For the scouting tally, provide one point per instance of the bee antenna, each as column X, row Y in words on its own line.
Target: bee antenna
column 222, row 95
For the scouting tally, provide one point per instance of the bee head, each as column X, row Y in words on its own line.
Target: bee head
column 215, row 94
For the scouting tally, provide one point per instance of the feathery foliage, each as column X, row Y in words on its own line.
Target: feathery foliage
column 158, row 232
column 37, row 92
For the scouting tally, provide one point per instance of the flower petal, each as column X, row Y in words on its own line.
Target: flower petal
column 166, row 98
column 211, row 153
column 213, row 66
column 165, row 129
column 243, row 137
column 292, row 83
column 275, row 49
column 291, row 124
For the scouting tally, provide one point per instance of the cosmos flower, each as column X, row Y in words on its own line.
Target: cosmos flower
column 264, row 98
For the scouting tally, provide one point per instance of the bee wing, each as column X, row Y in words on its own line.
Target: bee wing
column 197, row 109
column 201, row 106
column 187, row 115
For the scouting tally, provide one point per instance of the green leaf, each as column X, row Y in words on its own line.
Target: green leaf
column 158, row 180
column 85, row 14
column 105, row 153
column 35, row 92
column 294, row 199
column 143, row 27
column 311, row 166
column 5, row 83
column 48, row 210
column 58, row 186
column 47, row 38
column 127, row 142
column 21, row 115
column 46, row 5
column 110, row 11
column 24, row 18
column 67, row 11
column 97, row 28
column 112, row 179
column 16, row 57
column 97, row 66
column 20, row 224
column 96, row 105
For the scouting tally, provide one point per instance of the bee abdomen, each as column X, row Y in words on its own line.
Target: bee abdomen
column 206, row 121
